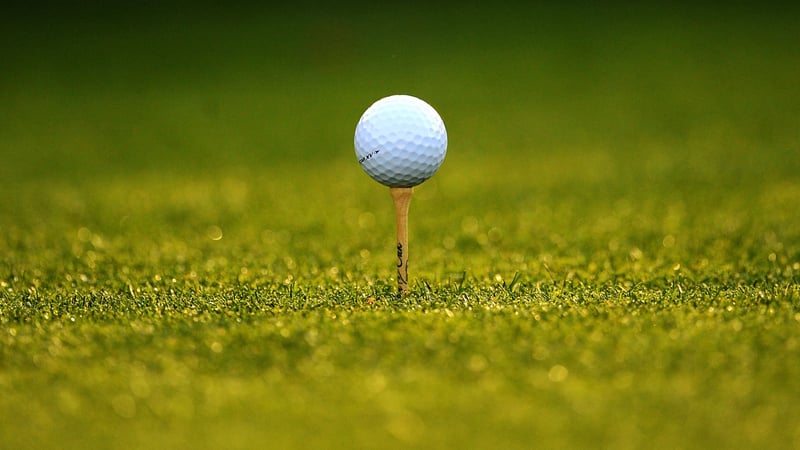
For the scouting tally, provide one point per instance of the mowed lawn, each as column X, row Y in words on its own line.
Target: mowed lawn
column 191, row 257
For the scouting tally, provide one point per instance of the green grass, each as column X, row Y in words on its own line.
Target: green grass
column 192, row 258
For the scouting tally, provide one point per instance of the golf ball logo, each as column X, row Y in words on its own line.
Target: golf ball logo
column 369, row 155
column 400, row 141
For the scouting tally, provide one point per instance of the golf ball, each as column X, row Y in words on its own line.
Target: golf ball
column 400, row 141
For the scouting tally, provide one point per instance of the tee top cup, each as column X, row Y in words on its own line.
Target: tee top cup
column 400, row 142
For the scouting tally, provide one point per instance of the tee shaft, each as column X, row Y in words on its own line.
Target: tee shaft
column 402, row 199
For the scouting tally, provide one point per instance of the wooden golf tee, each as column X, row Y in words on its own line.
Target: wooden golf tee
column 402, row 199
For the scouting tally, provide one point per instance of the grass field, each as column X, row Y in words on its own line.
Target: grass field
column 191, row 257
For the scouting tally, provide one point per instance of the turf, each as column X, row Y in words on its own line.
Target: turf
column 192, row 258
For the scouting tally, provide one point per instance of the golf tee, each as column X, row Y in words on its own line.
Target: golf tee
column 402, row 199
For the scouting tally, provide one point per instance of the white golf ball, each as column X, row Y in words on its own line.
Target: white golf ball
column 400, row 141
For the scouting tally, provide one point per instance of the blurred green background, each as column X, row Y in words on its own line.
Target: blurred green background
column 253, row 107
column 192, row 256
column 234, row 115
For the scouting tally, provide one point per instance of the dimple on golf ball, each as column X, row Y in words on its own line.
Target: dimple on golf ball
column 400, row 141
